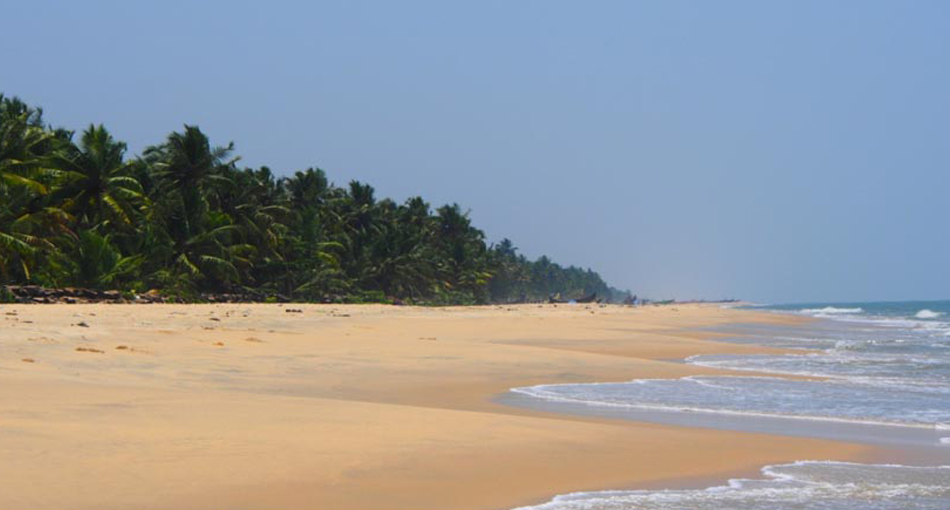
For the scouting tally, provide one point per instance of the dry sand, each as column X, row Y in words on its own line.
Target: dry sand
column 345, row 407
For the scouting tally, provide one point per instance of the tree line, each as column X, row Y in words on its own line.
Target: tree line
column 185, row 219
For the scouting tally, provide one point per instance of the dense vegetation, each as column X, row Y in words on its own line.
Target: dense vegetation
column 185, row 219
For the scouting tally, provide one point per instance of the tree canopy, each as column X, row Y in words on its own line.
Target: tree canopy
column 185, row 219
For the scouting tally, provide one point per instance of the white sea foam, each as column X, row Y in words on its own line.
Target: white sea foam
column 928, row 374
column 830, row 310
column 805, row 485
column 762, row 397
column 874, row 369
column 922, row 320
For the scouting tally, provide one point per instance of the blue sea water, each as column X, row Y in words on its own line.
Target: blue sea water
column 865, row 363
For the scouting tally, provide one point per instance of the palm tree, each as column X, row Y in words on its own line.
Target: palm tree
column 22, row 143
column 188, row 170
column 463, row 252
column 96, row 183
column 194, row 242
column 184, row 218
column 97, row 263
column 28, row 235
column 400, row 259
column 255, row 201
column 28, row 223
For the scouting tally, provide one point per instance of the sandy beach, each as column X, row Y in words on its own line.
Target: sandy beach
column 262, row 406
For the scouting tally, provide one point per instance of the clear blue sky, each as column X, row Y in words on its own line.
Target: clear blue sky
column 774, row 151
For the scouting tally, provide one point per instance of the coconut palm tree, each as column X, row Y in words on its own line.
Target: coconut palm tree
column 96, row 185
column 96, row 263
column 188, row 171
column 28, row 222
column 195, row 243
column 184, row 218
column 23, row 141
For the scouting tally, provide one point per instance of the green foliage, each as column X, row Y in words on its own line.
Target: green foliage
column 185, row 219
column 6, row 296
column 368, row 296
column 97, row 263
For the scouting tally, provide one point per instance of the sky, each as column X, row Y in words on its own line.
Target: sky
column 770, row 151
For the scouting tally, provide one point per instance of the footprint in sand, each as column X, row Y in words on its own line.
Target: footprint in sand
column 89, row 349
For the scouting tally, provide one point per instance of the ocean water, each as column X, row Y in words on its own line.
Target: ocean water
column 867, row 364
column 806, row 485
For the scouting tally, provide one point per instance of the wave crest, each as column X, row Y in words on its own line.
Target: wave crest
column 927, row 314
column 830, row 310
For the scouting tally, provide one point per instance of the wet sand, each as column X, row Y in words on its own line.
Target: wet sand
column 348, row 407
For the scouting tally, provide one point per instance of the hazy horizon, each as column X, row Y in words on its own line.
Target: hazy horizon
column 774, row 153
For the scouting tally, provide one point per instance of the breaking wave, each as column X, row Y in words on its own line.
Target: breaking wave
column 928, row 314
column 830, row 310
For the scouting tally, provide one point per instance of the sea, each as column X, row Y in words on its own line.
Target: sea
column 877, row 373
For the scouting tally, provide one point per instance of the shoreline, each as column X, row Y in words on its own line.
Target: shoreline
column 351, row 406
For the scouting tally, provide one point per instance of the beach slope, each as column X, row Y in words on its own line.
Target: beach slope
column 254, row 406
